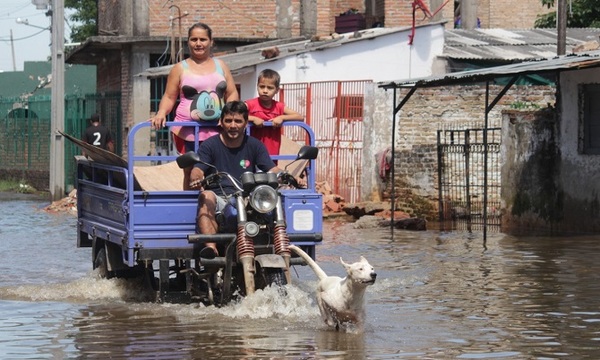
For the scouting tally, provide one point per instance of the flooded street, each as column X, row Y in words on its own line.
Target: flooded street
column 437, row 296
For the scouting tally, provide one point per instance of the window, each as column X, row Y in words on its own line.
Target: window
column 590, row 110
column 349, row 107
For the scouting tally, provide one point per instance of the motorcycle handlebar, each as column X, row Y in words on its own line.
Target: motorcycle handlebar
column 216, row 177
column 284, row 178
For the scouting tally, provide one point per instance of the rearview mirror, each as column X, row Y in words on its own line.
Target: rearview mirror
column 188, row 159
column 307, row 152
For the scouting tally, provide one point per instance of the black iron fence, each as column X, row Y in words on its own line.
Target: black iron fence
column 469, row 191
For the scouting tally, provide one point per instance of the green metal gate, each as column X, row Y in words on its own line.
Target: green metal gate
column 25, row 130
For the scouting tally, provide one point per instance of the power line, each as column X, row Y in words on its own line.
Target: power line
column 8, row 12
column 23, row 38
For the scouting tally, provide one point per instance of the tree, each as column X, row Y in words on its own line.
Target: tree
column 86, row 18
column 580, row 14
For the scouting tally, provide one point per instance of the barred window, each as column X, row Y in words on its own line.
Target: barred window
column 590, row 111
column 349, row 107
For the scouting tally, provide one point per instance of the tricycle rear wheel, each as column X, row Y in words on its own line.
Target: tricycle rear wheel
column 101, row 263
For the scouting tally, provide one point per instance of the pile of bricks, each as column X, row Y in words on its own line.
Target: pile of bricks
column 67, row 204
column 332, row 203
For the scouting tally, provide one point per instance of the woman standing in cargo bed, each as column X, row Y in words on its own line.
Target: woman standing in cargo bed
column 203, row 84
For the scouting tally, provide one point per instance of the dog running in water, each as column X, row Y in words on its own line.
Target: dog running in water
column 341, row 300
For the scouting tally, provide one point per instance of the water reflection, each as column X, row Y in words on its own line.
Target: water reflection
column 437, row 296
column 157, row 331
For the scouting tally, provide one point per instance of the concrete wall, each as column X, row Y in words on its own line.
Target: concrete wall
column 125, row 18
column 139, row 107
column 579, row 176
column 531, row 165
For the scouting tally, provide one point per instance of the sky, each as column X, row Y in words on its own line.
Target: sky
column 29, row 43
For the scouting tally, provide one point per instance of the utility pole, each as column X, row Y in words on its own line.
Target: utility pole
column 468, row 14
column 12, row 49
column 561, row 27
column 57, row 117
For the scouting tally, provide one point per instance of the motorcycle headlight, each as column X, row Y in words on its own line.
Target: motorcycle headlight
column 263, row 199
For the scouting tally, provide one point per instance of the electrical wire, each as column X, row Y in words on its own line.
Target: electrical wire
column 8, row 13
column 25, row 37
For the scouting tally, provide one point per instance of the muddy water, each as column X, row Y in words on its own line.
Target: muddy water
column 437, row 296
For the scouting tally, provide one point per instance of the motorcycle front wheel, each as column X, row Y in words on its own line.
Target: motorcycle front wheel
column 270, row 276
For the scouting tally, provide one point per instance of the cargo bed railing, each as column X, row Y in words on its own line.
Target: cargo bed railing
column 177, row 237
column 133, row 158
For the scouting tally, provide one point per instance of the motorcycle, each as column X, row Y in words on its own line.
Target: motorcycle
column 255, row 252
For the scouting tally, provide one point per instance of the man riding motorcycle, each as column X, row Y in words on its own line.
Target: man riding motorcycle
column 234, row 152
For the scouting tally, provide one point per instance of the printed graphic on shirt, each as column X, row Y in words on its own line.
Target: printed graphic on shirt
column 97, row 138
column 244, row 164
column 205, row 105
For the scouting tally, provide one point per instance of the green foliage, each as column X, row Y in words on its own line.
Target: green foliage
column 582, row 14
column 84, row 19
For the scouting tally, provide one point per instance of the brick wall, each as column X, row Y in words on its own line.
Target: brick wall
column 491, row 14
column 227, row 18
column 108, row 72
column 339, row 7
column 456, row 107
column 325, row 17
column 501, row 14
column 258, row 19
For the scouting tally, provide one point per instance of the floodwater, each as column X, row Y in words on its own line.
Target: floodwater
column 437, row 296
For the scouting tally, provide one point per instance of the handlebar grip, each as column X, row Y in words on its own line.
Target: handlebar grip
column 209, row 180
column 289, row 179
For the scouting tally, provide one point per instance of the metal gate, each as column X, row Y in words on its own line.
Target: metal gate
column 25, row 129
column 334, row 110
column 468, row 190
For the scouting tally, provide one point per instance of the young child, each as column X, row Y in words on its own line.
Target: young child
column 264, row 108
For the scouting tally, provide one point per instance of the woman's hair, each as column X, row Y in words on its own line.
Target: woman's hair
column 200, row 25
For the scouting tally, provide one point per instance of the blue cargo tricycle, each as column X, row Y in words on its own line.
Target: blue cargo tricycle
column 137, row 229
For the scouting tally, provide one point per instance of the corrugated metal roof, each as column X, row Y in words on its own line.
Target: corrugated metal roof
column 246, row 57
column 459, row 44
column 511, row 45
column 560, row 63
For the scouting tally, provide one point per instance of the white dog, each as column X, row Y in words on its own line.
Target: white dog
column 341, row 301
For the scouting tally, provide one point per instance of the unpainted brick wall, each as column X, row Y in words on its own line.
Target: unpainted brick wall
column 228, row 19
column 491, row 14
column 455, row 107
column 252, row 19
column 511, row 14
column 339, row 7
column 109, row 73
